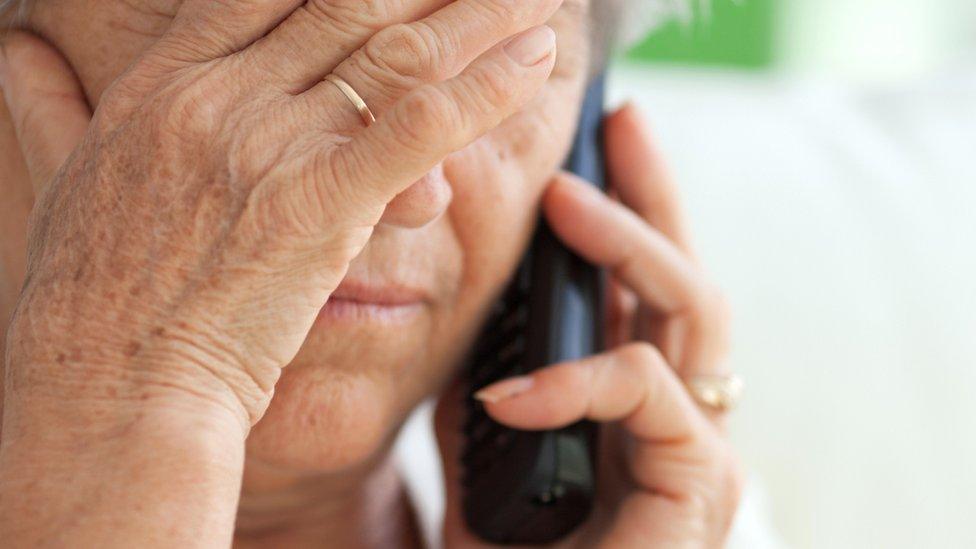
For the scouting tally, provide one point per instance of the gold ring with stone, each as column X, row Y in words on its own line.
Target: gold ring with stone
column 716, row 392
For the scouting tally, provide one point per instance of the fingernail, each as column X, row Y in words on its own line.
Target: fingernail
column 532, row 46
column 505, row 389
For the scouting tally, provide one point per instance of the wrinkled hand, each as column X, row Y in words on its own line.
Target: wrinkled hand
column 667, row 476
column 183, row 248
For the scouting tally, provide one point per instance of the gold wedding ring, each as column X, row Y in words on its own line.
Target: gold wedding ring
column 354, row 98
column 716, row 393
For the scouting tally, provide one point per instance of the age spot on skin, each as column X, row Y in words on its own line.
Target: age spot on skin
column 132, row 348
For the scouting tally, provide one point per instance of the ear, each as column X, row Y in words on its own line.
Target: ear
column 46, row 103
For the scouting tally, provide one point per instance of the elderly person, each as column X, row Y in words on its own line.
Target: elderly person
column 239, row 283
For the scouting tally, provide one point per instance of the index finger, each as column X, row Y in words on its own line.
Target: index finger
column 611, row 235
column 641, row 178
column 608, row 234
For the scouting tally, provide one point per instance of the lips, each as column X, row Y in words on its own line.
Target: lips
column 357, row 301
column 378, row 294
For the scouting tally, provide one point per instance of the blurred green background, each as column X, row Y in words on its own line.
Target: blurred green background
column 739, row 34
column 860, row 40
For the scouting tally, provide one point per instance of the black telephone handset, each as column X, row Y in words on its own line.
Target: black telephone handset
column 536, row 487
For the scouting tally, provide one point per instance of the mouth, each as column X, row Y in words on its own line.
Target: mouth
column 356, row 302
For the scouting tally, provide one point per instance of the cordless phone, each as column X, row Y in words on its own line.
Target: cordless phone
column 536, row 487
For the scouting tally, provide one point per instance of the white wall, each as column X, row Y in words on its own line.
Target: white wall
column 840, row 223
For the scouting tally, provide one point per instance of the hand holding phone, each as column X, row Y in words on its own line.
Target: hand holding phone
column 667, row 474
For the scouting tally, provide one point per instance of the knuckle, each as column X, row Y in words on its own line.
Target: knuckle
column 192, row 111
column 715, row 486
column 500, row 11
column 720, row 485
column 508, row 7
column 333, row 15
column 492, row 85
column 426, row 115
column 403, row 54
column 361, row 12
column 182, row 114
column 645, row 356
column 648, row 368
column 445, row 46
column 506, row 15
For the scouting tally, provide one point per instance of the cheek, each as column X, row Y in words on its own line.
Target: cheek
column 493, row 213
column 492, row 216
column 498, row 182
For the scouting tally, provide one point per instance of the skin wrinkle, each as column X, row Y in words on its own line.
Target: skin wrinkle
column 149, row 270
column 344, row 396
column 344, row 16
column 152, row 30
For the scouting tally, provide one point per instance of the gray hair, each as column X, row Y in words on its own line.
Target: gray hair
column 643, row 16
column 619, row 24
column 15, row 9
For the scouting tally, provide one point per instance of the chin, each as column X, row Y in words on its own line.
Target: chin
column 323, row 421
column 371, row 357
column 341, row 401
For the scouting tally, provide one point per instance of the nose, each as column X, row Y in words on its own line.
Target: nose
column 420, row 203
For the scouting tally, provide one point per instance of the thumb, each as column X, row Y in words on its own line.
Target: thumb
column 46, row 103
